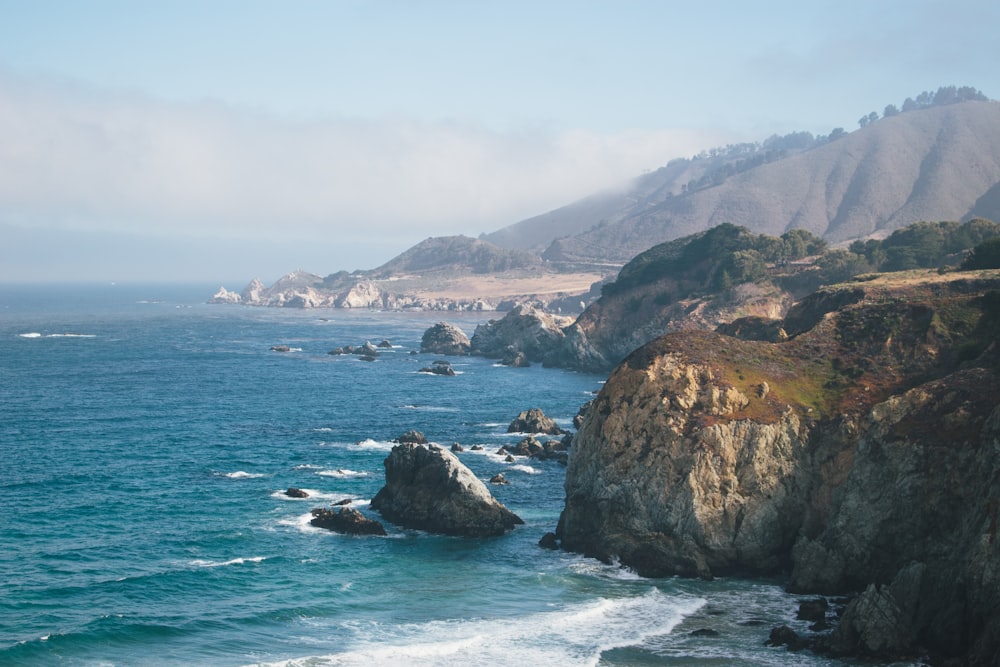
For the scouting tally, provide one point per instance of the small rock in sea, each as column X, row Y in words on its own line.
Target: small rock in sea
column 502, row 451
column 785, row 636
column 509, row 459
column 368, row 357
column 293, row 492
column 813, row 610
column 439, row 367
column 457, row 448
column 412, row 437
column 346, row 520
column 548, row 541
column 499, row 479
column 704, row 632
column 345, row 501
column 477, row 448
column 385, row 343
column 280, row 348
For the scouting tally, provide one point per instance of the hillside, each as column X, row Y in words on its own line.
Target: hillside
column 708, row 455
column 936, row 163
column 707, row 280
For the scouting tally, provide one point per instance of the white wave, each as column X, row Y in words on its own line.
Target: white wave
column 234, row 561
column 307, row 466
column 323, row 429
column 526, row 469
column 314, row 495
column 242, row 474
column 368, row 443
column 576, row 635
column 35, row 334
column 342, row 473
column 429, row 408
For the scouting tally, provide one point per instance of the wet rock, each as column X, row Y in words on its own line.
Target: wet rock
column 534, row 421
column 428, row 488
column 346, row 520
column 293, row 492
column 444, row 338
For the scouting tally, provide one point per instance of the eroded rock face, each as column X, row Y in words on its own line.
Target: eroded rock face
column 444, row 338
column 525, row 329
column 672, row 491
column 862, row 455
column 428, row 488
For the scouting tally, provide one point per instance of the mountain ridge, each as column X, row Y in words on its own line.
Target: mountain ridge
column 936, row 163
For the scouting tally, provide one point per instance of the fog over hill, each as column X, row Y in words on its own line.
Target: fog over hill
column 934, row 163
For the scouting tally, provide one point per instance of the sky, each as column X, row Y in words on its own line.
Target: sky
column 222, row 140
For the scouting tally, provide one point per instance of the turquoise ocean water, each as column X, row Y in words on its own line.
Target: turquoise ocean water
column 146, row 439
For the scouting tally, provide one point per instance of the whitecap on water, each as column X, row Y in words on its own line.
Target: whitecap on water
column 313, row 496
column 575, row 635
column 242, row 474
column 233, row 561
column 526, row 469
column 342, row 473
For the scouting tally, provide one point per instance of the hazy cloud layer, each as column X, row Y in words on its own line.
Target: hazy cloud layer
column 73, row 157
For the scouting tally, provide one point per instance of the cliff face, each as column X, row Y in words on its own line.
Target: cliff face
column 863, row 451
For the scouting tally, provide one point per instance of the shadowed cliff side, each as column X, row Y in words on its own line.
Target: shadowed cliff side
column 863, row 451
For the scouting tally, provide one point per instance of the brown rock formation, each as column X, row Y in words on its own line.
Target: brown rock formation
column 870, row 463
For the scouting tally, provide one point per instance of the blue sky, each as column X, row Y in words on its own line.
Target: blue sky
column 222, row 140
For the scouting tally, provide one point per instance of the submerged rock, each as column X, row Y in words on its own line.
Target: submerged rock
column 428, row 488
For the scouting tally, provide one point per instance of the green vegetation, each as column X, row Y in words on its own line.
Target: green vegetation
column 986, row 255
column 723, row 256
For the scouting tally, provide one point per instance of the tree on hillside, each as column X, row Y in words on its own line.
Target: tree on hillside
column 986, row 255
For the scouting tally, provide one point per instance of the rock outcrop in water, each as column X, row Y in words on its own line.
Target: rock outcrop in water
column 445, row 338
column 525, row 330
column 428, row 488
column 861, row 455
column 346, row 520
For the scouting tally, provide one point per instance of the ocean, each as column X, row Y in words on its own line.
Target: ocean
column 147, row 439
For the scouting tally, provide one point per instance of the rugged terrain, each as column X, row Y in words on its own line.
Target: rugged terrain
column 862, row 452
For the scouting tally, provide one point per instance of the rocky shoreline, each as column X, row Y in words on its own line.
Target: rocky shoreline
column 860, row 457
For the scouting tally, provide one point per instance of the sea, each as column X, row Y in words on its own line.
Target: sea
column 147, row 439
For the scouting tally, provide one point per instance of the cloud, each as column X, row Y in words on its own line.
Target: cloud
column 80, row 158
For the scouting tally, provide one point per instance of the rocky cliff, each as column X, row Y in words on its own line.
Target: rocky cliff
column 860, row 454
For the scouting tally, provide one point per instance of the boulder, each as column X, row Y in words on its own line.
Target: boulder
column 515, row 358
column 439, row 367
column 525, row 330
column 280, row 348
column 346, row 520
column 293, row 492
column 412, row 438
column 498, row 479
column 549, row 541
column 428, row 488
column 534, row 421
column 444, row 338
column 385, row 343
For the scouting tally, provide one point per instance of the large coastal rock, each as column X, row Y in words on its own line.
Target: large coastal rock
column 445, row 338
column 524, row 329
column 861, row 455
column 428, row 488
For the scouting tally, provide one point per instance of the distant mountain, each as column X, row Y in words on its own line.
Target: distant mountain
column 456, row 254
column 932, row 163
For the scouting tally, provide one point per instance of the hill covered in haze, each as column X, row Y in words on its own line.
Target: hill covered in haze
column 935, row 161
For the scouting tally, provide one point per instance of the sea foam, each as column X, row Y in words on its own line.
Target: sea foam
column 575, row 635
